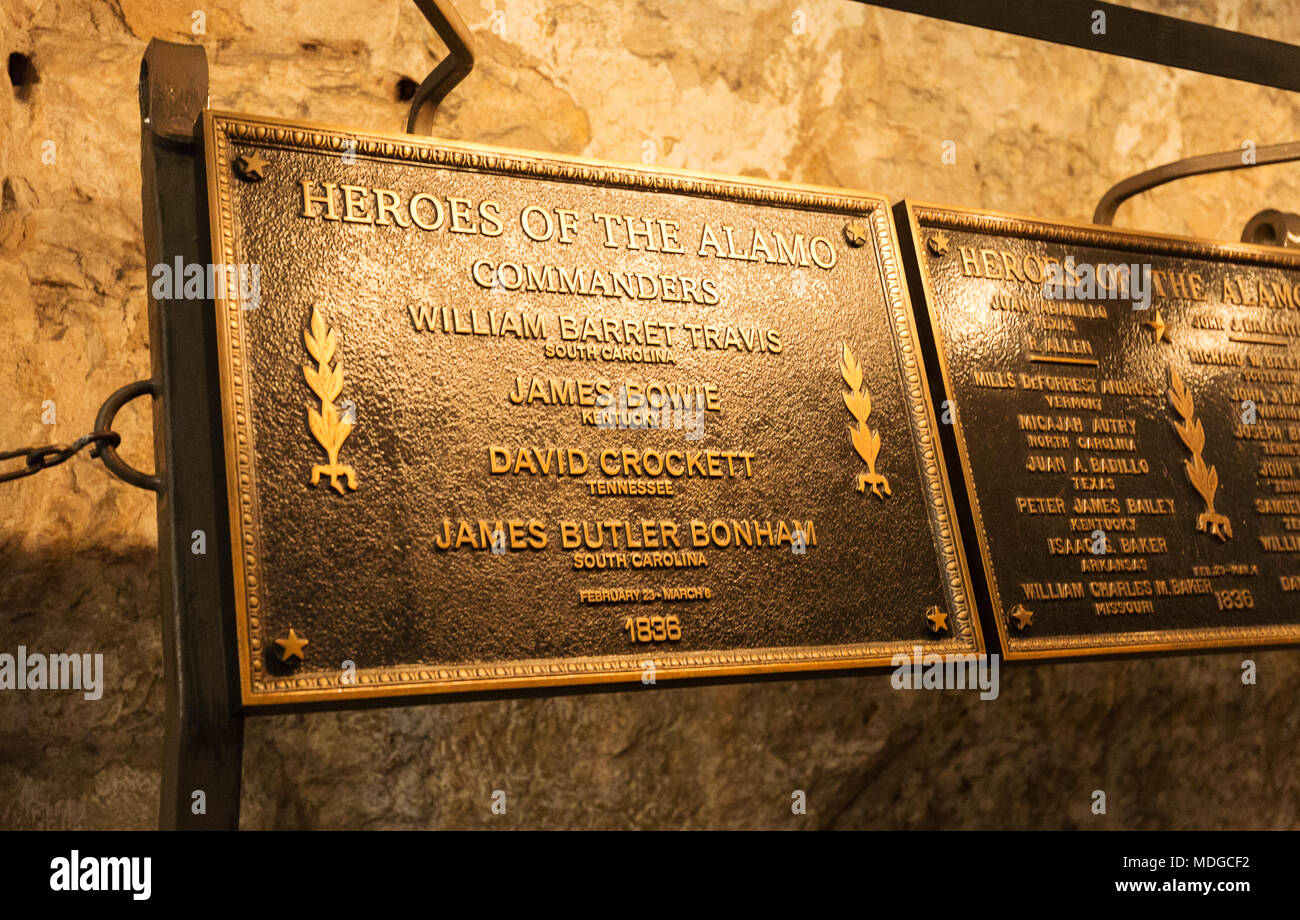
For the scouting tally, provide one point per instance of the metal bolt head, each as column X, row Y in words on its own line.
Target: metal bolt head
column 855, row 233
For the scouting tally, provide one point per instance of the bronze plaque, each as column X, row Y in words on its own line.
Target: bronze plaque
column 1126, row 408
column 502, row 419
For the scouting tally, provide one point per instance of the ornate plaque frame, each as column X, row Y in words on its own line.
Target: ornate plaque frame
column 229, row 138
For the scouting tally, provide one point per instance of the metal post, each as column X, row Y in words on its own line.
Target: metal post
column 204, row 730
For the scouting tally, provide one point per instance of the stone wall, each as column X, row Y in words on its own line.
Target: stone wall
column 858, row 97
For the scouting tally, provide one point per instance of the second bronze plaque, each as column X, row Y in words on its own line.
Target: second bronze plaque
column 1126, row 410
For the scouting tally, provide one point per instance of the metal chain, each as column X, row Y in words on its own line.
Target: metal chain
column 42, row 458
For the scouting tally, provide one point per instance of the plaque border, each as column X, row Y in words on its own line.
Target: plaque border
column 257, row 688
column 929, row 215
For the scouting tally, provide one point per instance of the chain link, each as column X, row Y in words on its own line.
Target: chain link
column 42, row 458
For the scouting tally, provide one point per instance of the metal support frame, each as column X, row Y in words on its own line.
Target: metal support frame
column 1120, row 192
column 203, row 728
column 450, row 70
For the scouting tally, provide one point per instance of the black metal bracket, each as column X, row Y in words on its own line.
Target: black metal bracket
column 203, row 729
column 450, row 70
column 1273, row 228
column 108, row 452
column 1120, row 192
